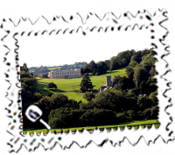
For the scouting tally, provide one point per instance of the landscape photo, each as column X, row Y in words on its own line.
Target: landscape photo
column 120, row 91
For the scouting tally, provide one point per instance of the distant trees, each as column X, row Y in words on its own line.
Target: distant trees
column 52, row 85
column 96, row 68
column 86, row 83
column 121, row 60
column 41, row 70
column 46, row 69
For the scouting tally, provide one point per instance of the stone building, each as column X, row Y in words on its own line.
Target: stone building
column 108, row 84
column 64, row 73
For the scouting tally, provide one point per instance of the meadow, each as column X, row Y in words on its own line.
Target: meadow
column 71, row 87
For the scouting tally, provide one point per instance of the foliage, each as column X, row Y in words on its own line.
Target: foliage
column 140, row 74
column 88, row 96
column 130, row 72
column 115, row 80
column 121, row 60
column 46, row 69
column 144, row 103
column 114, row 105
column 86, row 83
column 153, row 98
column 52, row 85
column 98, row 117
column 98, row 68
column 124, row 83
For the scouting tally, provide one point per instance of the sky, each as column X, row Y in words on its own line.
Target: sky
column 55, row 50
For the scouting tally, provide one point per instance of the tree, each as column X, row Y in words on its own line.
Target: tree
column 52, row 85
column 98, row 117
column 144, row 103
column 152, row 72
column 140, row 74
column 86, row 83
column 124, row 83
column 133, row 64
column 109, row 99
column 88, row 96
column 108, row 64
column 115, row 80
column 131, row 115
column 58, row 100
column 153, row 97
column 130, row 72
column 102, row 67
column 44, row 103
column 92, row 66
column 28, row 92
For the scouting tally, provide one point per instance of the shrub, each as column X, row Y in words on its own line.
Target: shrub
column 88, row 96
column 51, row 85
column 144, row 103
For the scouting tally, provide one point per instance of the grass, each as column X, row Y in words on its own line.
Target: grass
column 52, row 68
column 134, row 124
column 71, row 87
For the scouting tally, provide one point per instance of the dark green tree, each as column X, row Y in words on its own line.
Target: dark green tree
column 124, row 83
column 58, row 100
column 144, row 103
column 44, row 103
column 108, row 64
column 92, row 66
column 130, row 72
column 88, row 96
column 140, row 74
column 115, row 80
column 86, row 83
column 153, row 97
column 52, row 85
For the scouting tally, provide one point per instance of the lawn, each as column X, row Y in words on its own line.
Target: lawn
column 71, row 87
column 135, row 124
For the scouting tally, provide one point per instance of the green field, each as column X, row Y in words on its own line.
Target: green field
column 71, row 87
column 134, row 124
column 52, row 68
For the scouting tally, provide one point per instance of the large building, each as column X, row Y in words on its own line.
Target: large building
column 64, row 73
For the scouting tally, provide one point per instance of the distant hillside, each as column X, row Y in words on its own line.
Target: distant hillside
column 44, row 69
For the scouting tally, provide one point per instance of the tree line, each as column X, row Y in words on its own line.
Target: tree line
column 123, row 59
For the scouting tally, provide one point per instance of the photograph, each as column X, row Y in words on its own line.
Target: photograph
column 89, row 86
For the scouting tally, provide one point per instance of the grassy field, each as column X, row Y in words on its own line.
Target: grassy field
column 71, row 87
column 134, row 124
column 52, row 68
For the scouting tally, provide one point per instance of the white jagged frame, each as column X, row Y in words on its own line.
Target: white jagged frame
column 26, row 27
